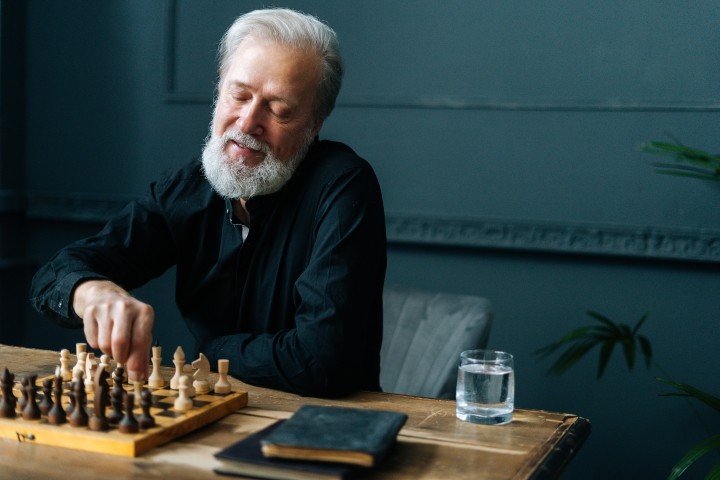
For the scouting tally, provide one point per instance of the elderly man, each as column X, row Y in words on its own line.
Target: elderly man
column 278, row 237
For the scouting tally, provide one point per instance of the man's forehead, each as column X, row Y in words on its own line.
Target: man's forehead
column 272, row 63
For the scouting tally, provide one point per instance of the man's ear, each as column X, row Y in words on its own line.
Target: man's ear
column 316, row 128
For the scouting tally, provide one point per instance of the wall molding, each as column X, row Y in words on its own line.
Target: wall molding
column 647, row 242
column 562, row 238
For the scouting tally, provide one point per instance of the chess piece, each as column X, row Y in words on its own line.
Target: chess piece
column 31, row 411
column 124, row 372
column 101, row 389
column 91, row 364
column 56, row 415
column 22, row 401
column 65, row 360
column 137, row 387
column 71, row 398
column 80, row 351
column 129, row 423
column 79, row 417
column 46, row 403
column 145, row 420
column 223, row 386
column 183, row 402
column 105, row 363
column 179, row 361
column 116, row 397
column 156, row 380
column 78, row 370
column 202, row 370
column 8, row 400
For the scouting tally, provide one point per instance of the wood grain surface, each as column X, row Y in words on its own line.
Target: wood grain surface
column 434, row 444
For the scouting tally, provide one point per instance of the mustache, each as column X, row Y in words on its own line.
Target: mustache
column 246, row 140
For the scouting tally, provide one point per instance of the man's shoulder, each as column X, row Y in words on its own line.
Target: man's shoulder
column 185, row 177
column 330, row 149
column 328, row 157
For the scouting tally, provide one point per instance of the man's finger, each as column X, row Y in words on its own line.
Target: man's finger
column 141, row 340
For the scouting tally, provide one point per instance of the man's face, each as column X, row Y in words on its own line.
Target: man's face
column 263, row 121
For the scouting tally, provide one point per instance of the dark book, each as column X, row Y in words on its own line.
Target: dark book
column 335, row 434
column 244, row 458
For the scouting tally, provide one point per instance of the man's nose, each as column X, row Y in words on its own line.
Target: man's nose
column 250, row 120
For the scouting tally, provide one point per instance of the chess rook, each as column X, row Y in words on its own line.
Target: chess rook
column 222, row 386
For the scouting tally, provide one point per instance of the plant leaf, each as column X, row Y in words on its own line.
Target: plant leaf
column 565, row 339
column 714, row 473
column 605, row 353
column 697, row 451
column 646, row 349
column 602, row 318
column 570, row 357
column 685, row 389
column 629, row 349
column 640, row 322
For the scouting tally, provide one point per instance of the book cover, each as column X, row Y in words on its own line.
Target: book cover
column 335, row 434
column 244, row 458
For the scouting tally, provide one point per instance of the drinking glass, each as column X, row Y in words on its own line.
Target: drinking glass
column 485, row 390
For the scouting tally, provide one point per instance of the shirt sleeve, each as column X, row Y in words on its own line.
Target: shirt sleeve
column 132, row 248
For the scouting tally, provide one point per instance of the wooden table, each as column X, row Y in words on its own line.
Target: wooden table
column 432, row 445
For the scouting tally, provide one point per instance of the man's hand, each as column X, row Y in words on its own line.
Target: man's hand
column 116, row 323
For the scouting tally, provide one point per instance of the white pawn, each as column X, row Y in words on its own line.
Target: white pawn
column 78, row 374
column 138, row 387
column 179, row 361
column 78, row 370
column 65, row 360
column 183, row 402
column 91, row 366
column 105, row 363
column 223, row 386
column 156, row 380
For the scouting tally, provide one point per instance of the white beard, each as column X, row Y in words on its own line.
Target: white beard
column 234, row 179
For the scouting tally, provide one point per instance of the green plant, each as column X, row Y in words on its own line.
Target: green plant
column 689, row 162
column 607, row 335
column 705, row 446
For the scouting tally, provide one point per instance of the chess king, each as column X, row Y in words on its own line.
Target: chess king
column 277, row 235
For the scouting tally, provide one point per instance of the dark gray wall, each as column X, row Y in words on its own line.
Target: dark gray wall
column 504, row 135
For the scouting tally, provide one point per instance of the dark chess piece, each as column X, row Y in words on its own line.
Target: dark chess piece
column 116, row 397
column 22, row 401
column 8, row 400
column 79, row 417
column 99, row 421
column 129, row 423
column 56, row 415
column 31, row 411
column 46, row 403
column 71, row 399
column 145, row 419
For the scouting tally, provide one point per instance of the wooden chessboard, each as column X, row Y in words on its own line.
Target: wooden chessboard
column 170, row 424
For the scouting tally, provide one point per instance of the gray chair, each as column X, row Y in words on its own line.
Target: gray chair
column 423, row 336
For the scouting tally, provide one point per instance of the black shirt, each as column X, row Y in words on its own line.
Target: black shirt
column 297, row 306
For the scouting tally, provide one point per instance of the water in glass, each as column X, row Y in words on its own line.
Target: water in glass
column 485, row 393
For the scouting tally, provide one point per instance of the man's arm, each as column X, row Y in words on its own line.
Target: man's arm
column 87, row 283
column 116, row 323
